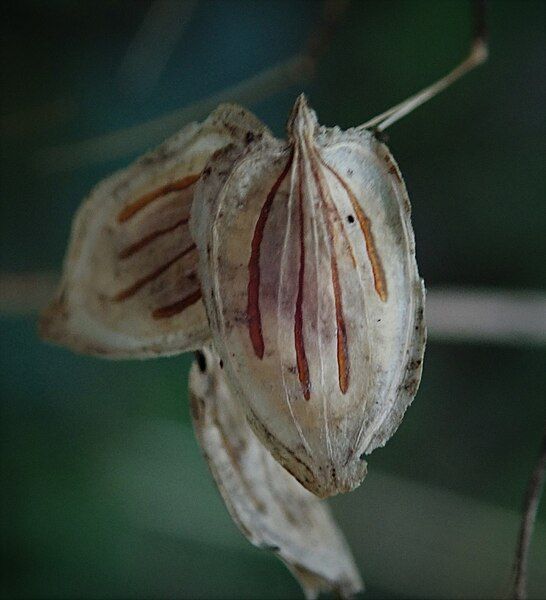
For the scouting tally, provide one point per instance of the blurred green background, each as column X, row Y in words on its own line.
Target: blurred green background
column 104, row 491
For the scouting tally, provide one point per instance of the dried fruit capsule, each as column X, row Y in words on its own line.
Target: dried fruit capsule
column 308, row 271
column 130, row 286
column 268, row 505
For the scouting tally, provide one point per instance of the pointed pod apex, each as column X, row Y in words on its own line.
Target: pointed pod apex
column 302, row 120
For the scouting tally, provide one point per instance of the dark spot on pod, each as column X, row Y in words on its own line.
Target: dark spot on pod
column 221, row 364
column 411, row 386
column 362, row 456
column 201, row 361
column 231, row 128
column 380, row 136
column 206, row 172
column 270, row 547
column 249, row 137
column 350, row 219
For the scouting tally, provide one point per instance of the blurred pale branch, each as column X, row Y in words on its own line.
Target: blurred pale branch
column 125, row 142
column 152, row 45
column 500, row 316
column 453, row 314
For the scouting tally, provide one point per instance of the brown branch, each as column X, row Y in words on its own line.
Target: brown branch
column 530, row 508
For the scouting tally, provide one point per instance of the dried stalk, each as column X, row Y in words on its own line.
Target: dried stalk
column 530, row 508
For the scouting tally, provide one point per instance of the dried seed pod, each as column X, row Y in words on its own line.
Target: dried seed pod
column 269, row 506
column 307, row 265
column 130, row 286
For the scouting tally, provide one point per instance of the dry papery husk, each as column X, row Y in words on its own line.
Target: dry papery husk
column 308, row 272
column 269, row 506
column 130, row 287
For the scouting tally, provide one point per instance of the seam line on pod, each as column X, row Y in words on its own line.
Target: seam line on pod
column 301, row 358
column 286, row 283
column 140, row 283
column 319, row 310
column 131, row 209
column 148, row 239
column 380, row 283
column 341, row 331
column 175, row 308
column 253, row 291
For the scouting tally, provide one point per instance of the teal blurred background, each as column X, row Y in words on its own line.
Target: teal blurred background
column 104, row 491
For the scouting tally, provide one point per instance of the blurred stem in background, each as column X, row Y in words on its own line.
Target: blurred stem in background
column 530, row 508
column 453, row 314
column 124, row 142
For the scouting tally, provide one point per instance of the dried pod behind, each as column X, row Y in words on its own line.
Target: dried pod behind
column 270, row 507
column 308, row 270
column 130, row 286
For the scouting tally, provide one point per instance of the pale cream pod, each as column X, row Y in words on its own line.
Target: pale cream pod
column 308, row 272
column 270, row 507
column 130, row 287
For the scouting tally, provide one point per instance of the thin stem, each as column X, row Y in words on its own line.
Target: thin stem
column 478, row 55
column 530, row 508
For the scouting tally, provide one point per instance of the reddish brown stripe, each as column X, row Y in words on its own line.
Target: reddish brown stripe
column 132, row 290
column 133, row 248
column 301, row 358
column 131, row 209
column 342, row 351
column 177, row 307
column 379, row 280
column 253, row 305
column 341, row 333
column 392, row 168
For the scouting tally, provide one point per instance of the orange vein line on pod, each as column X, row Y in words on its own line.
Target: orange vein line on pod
column 133, row 208
column 142, row 243
column 253, row 292
column 140, row 283
column 380, row 283
column 341, row 330
column 175, row 308
column 301, row 358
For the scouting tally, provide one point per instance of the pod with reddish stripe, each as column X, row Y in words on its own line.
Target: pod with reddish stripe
column 307, row 265
column 130, row 286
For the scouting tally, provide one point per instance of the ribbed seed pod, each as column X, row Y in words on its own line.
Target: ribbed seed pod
column 308, row 272
column 130, row 286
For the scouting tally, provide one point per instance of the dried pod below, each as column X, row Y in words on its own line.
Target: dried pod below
column 269, row 506
column 308, row 271
column 130, row 286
